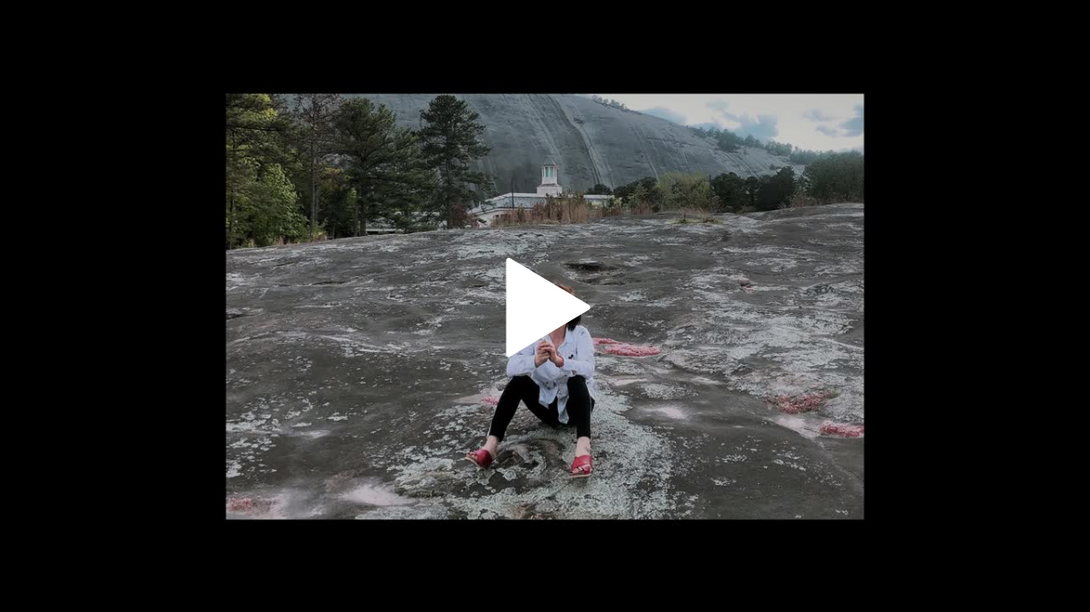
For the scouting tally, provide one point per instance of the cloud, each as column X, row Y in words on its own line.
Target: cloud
column 719, row 105
column 664, row 113
column 854, row 126
column 845, row 129
column 761, row 128
column 817, row 115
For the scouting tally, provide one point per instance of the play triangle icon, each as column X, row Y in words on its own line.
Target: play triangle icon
column 535, row 307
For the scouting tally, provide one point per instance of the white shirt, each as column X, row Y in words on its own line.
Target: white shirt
column 577, row 349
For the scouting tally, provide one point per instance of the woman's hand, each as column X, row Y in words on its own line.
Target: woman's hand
column 556, row 358
column 544, row 353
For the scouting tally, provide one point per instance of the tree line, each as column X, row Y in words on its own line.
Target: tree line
column 730, row 142
column 834, row 177
column 307, row 166
column 610, row 103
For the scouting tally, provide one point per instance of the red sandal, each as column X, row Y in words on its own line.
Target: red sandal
column 583, row 465
column 481, row 457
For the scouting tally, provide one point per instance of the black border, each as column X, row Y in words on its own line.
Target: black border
column 207, row 168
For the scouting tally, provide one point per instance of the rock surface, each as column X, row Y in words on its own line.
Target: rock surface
column 359, row 372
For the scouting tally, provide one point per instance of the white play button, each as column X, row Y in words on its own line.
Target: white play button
column 535, row 307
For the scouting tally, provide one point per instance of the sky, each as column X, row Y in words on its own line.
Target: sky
column 819, row 122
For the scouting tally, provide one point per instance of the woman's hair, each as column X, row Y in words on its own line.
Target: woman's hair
column 575, row 321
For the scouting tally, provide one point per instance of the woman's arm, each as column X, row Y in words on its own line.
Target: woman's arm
column 527, row 360
column 522, row 362
column 582, row 361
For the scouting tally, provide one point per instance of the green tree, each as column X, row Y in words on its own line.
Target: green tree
column 687, row 191
column 266, row 207
column 805, row 157
column 775, row 191
column 451, row 141
column 650, row 192
column 836, row 177
column 656, row 197
column 778, row 148
column 729, row 141
column 625, row 191
column 313, row 115
column 339, row 203
column 382, row 162
column 637, row 196
column 255, row 177
column 255, row 127
column 750, row 187
column 600, row 189
column 730, row 189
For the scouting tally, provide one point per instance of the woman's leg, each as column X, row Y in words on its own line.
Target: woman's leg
column 580, row 406
column 519, row 388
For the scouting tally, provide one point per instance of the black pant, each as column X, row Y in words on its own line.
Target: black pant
column 522, row 388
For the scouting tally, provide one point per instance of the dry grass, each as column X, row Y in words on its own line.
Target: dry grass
column 563, row 210
column 801, row 200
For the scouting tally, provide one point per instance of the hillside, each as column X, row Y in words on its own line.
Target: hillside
column 590, row 142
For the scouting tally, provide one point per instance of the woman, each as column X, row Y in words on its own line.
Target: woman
column 555, row 379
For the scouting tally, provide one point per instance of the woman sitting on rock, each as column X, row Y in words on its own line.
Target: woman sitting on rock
column 555, row 379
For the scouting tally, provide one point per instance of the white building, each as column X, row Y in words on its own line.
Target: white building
column 550, row 185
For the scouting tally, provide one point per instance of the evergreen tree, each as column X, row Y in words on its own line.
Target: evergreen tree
column 450, row 139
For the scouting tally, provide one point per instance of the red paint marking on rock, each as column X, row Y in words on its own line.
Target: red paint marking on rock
column 844, row 431
column 630, row 350
column 808, row 402
column 246, row 504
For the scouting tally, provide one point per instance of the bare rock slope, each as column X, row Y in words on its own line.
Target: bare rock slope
column 360, row 371
column 590, row 142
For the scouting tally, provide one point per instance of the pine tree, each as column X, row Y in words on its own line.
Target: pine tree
column 314, row 114
column 450, row 140
column 383, row 162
